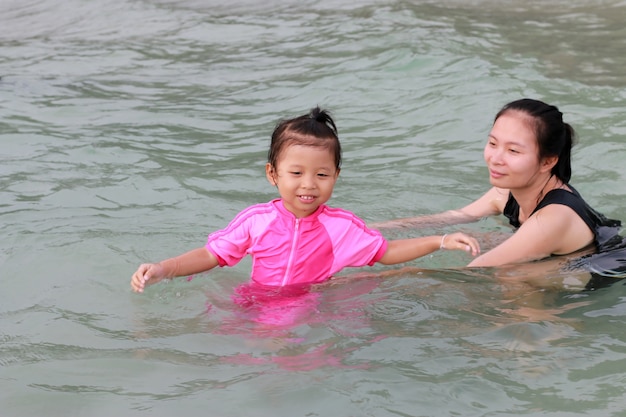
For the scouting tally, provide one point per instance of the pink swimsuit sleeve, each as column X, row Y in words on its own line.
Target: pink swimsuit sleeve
column 361, row 246
column 354, row 244
column 231, row 244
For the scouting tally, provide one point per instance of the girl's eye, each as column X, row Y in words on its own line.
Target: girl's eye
column 295, row 172
column 513, row 151
column 322, row 175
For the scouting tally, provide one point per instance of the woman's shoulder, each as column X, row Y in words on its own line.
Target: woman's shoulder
column 568, row 196
column 571, row 198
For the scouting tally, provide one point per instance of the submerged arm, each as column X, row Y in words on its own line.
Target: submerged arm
column 430, row 220
column 492, row 202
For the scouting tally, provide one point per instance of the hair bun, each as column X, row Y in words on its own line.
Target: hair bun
column 323, row 116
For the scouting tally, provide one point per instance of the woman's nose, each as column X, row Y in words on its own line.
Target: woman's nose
column 493, row 155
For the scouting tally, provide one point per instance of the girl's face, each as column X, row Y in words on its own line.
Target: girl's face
column 512, row 153
column 305, row 177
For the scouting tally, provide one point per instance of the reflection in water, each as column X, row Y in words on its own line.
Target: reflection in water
column 270, row 319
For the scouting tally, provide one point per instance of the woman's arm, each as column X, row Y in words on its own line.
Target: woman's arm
column 430, row 220
column 492, row 202
column 554, row 230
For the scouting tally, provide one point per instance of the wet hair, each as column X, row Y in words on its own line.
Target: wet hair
column 315, row 128
column 554, row 137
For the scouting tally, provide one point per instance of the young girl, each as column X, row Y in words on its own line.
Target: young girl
column 298, row 239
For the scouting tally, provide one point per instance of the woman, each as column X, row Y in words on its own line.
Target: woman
column 528, row 154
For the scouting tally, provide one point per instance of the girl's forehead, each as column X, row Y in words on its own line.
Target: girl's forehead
column 306, row 150
column 302, row 154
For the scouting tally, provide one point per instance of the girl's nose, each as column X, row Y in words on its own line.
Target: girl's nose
column 308, row 181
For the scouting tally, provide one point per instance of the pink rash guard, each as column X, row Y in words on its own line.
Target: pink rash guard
column 286, row 250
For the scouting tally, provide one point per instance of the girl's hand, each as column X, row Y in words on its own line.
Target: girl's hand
column 146, row 274
column 460, row 241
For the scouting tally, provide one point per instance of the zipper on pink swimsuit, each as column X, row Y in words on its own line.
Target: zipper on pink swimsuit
column 292, row 254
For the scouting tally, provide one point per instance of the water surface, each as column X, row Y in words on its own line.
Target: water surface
column 130, row 130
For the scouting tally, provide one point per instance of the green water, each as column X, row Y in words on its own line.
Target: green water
column 129, row 130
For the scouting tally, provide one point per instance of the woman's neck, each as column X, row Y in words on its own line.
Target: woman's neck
column 529, row 197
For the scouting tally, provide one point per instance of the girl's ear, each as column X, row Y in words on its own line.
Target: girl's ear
column 270, row 173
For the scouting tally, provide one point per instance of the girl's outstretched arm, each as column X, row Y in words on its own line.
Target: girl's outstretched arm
column 193, row 262
column 404, row 250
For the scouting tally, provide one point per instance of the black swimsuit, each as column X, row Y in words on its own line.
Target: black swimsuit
column 604, row 230
column 609, row 262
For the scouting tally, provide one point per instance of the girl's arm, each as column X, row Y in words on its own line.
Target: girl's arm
column 404, row 250
column 193, row 262
column 492, row 202
column 553, row 230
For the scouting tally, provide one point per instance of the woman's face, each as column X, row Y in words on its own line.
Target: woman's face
column 511, row 152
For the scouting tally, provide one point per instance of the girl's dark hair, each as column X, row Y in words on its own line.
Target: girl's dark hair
column 554, row 137
column 315, row 128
